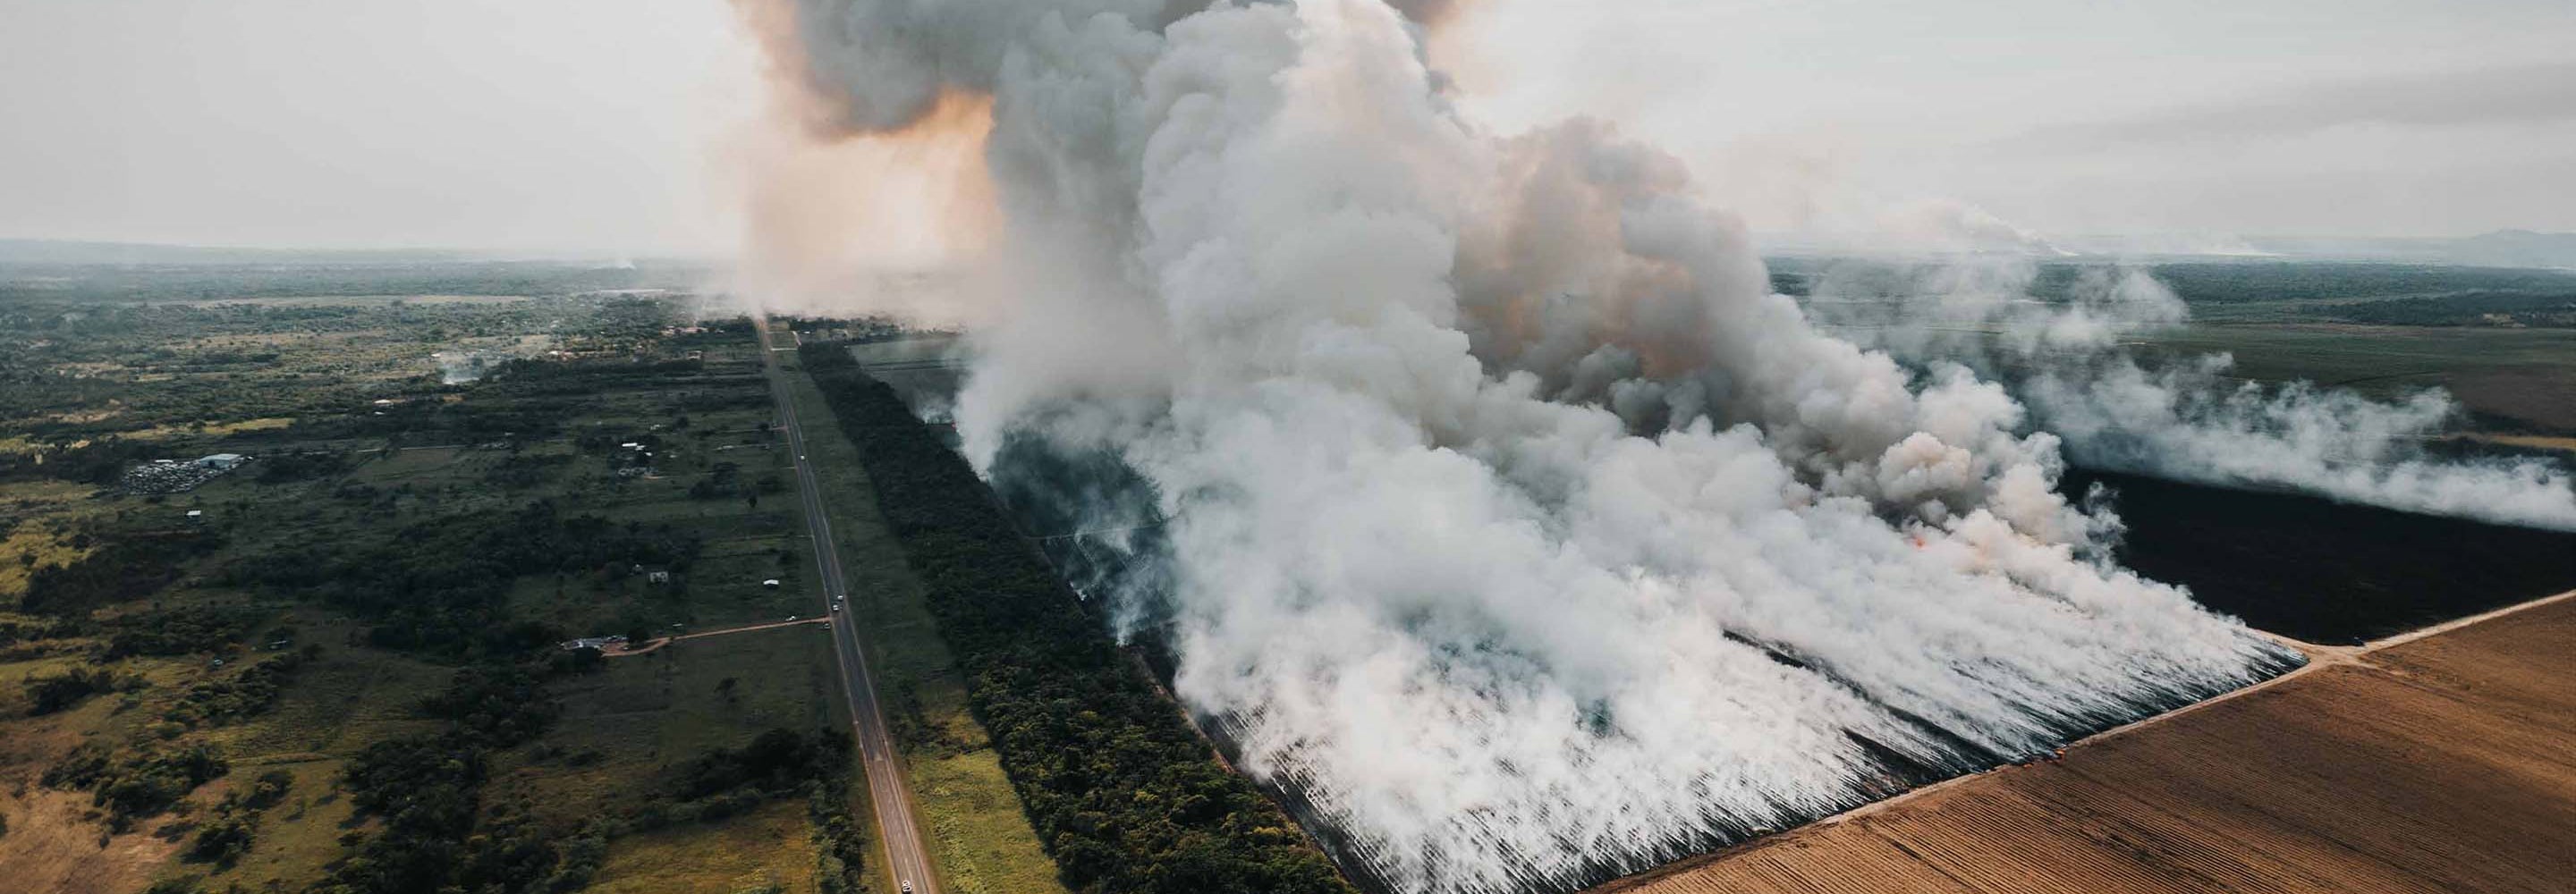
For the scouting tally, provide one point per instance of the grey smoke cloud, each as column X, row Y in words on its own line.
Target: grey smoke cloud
column 1513, row 519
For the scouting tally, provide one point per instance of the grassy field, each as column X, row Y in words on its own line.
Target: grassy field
column 351, row 697
column 764, row 847
column 628, row 723
column 981, row 840
column 640, row 714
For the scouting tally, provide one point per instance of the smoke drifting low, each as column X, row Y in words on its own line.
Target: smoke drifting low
column 1514, row 522
column 2068, row 362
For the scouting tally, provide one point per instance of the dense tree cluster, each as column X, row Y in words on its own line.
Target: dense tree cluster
column 440, row 831
column 779, row 763
column 138, row 785
column 54, row 693
column 776, row 762
column 134, row 566
column 2465, row 309
column 429, row 420
column 224, row 699
column 98, row 461
column 1122, row 792
column 438, row 834
column 841, row 851
column 182, row 631
column 2393, row 294
column 225, row 837
column 496, row 705
column 30, row 630
column 716, row 333
column 442, row 585
column 2229, row 282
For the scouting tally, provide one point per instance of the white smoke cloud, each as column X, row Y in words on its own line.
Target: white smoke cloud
column 1513, row 520
column 2071, row 362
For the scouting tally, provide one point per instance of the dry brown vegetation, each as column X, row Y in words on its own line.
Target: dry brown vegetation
column 53, row 845
column 2444, row 764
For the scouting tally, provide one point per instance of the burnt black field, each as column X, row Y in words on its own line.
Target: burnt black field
column 2327, row 572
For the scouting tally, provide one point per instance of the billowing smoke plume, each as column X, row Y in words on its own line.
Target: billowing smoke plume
column 1514, row 522
column 2070, row 361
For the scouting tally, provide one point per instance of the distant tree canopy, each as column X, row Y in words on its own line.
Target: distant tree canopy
column 443, row 585
column 1122, row 792
column 134, row 566
column 138, row 785
column 180, row 631
column 2393, row 294
column 775, row 762
column 54, row 693
column 2468, row 308
column 437, row 833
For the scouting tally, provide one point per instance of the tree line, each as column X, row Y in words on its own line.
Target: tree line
column 1123, row 793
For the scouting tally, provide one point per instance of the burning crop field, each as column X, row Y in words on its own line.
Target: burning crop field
column 1482, row 493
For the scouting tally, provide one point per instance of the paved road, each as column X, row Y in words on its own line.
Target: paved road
column 896, row 825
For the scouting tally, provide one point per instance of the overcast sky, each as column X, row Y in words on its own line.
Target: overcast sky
column 603, row 125
column 532, row 125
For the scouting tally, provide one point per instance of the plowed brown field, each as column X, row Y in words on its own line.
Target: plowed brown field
column 2439, row 764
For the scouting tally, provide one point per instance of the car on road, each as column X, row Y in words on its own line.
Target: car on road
column 907, row 887
column 791, row 617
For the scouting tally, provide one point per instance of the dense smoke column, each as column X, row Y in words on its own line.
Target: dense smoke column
column 1505, row 515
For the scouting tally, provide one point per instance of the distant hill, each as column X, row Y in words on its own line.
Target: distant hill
column 2502, row 248
column 2517, row 248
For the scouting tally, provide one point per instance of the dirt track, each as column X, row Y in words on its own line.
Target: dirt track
column 667, row 640
column 2435, row 763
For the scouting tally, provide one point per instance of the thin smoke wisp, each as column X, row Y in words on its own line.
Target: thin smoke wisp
column 1515, row 525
